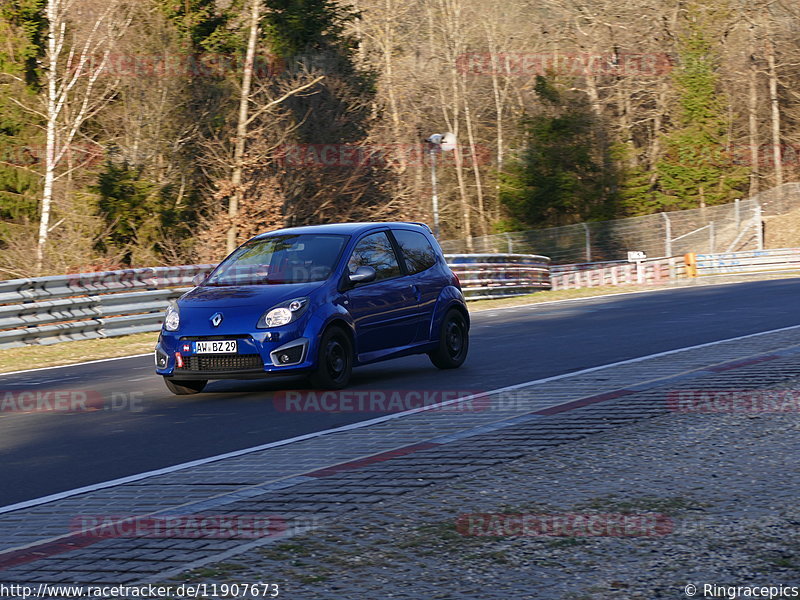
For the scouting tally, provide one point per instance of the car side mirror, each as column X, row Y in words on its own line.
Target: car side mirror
column 363, row 274
column 199, row 278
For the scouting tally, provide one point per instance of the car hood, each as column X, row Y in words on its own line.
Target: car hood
column 258, row 296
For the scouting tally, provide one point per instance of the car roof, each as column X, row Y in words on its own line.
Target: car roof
column 347, row 228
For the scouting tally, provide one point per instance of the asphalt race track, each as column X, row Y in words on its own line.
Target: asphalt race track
column 49, row 452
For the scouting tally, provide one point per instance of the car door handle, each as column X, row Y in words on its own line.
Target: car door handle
column 417, row 293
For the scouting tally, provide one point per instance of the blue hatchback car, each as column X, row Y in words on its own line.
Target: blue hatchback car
column 316, row 301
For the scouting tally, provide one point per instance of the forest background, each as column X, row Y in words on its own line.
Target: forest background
column 162, row 132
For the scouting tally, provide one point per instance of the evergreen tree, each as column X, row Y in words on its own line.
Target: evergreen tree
column 136, row 200
column 636, row 194
column 697, row 167
column 28, row 17
column 295, row 27
column 560, row 177
column 203, row 25
column 309, row 37
column 142, row 213
column 21, row 31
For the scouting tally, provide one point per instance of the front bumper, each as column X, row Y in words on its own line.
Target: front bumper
column 262, row 353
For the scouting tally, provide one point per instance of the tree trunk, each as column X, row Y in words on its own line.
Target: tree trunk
column 473, row 148
column 388, row 61
column 776, row 112
column 655, row 143
column 594, row 96
column 241, row 128
column 459, row 165
column 499, row 106
column 499, row 96
column 752, row 110
column 71, row 95
column 53, row 18
column 752, row 114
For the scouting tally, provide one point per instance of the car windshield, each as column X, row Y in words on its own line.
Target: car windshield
column 278, row 259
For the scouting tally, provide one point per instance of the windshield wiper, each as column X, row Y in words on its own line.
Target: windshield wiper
column 217, row 284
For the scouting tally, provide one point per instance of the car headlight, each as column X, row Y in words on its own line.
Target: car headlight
column 283, row 314
column 173, row 318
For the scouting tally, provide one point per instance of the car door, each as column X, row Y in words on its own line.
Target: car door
column 427, row 282
column 383, row 310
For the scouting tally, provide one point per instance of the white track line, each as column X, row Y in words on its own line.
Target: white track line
column 360, row 424
column 89, row 362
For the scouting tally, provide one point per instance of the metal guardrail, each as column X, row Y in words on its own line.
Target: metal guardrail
column 49, row 310
column 487, row 276
column 105, row 282
column 61, row 308
column 782, row 260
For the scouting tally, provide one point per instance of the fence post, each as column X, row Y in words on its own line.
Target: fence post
column 588, row 242
column 759, row 227
column 712, row 238
column 737, row 211
column 510, row 243
column 667, row 235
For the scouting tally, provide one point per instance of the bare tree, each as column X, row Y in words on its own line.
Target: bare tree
column 80, row 39
column 241, row 127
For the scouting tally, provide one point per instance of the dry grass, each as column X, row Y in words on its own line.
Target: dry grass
column 66, row 353
column 782, row 231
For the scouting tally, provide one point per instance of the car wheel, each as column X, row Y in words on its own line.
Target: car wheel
column 185, row 387
column 334, row 361
column 453, row 341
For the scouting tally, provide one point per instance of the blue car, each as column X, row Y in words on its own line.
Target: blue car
column 316, row 301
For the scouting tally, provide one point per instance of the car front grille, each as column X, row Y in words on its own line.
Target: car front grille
column 224, row 362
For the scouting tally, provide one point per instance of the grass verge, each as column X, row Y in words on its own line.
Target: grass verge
column 66, row 353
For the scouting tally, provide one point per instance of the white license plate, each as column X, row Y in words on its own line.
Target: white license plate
column 216, row 347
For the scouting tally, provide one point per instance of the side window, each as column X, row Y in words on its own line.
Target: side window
column 416, row 249
column 375, row 251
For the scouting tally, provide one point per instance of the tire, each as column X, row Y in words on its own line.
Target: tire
column 453, row 341
column 334, row 360
column 184, row 388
